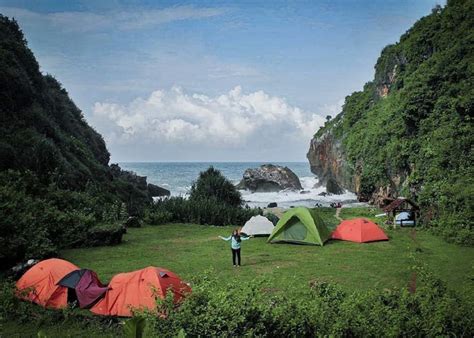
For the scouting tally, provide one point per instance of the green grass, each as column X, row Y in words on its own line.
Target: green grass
column 67, row 329
column 191, row 250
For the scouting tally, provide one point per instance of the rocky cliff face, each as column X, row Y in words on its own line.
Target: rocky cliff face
column 327, row 161
column 392, row 137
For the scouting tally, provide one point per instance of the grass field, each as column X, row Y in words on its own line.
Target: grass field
column 191, row 250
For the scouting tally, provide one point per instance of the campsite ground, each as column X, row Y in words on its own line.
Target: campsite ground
column 192, row 250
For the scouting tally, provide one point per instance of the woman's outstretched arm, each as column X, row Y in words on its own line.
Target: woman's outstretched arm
column 225, row 238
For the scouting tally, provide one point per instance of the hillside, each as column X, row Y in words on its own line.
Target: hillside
column 409, row 131
column 55, row 179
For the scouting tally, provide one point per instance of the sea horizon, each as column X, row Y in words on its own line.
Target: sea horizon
column 178, row 178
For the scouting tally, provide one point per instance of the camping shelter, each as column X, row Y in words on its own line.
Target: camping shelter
column 359, row 230
column 400, row 205
column 139, row 290
column 257, row 226
column 85, row 285
column 39, row 283
column 300, row 225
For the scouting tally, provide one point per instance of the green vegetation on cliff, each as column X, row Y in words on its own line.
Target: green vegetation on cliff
column 55, row 183
column 410, row 129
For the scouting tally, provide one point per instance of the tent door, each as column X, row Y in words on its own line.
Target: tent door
column 295, row 230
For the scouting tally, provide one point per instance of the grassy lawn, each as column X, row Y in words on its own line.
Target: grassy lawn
column 191, row 250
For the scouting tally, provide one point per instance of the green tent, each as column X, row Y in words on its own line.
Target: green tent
column 302, row 226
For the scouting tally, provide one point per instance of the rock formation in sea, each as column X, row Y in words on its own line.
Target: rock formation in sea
column 269, row 178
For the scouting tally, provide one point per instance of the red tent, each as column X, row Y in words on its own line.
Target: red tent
column 39, row 283
column 139, row 290
column 359, row 230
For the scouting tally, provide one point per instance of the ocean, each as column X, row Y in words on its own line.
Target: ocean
column 179, row 176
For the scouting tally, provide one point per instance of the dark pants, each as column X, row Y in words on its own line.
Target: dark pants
column 236, row 254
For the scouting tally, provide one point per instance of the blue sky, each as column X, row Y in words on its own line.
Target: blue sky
column 211, row 80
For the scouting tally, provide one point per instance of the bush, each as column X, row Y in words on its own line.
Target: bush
column 38, row 221
column 158, row 217
column 213, row 200
column 255, row 309
column 201, row 211
column 454, row 228
column 104, row 235
column 272, row 218
column 12, row 309
column 211, row 184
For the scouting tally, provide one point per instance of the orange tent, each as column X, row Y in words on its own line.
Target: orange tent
column 139, row 290
column 359, row 230
column 38, row 284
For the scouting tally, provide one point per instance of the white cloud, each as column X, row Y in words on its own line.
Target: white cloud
column 228, row 120
column 333, row 109
column 75, row 21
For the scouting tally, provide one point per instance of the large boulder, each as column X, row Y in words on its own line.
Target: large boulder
column 269, row 178
column 332, row 187
column 156, row 191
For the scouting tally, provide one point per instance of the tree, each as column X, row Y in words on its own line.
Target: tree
column 212, row 184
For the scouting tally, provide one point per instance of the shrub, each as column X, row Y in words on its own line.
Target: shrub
column 158, row 217
column 37, row 221
column 104, row 235
column 272, row 218
column 255, row 309
column 202, row 211
column 211, row 184
column 213, row 200
column 12, row 309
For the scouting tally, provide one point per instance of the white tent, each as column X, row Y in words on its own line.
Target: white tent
column 257, row 225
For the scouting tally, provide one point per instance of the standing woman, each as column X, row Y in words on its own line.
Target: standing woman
column 235, row 239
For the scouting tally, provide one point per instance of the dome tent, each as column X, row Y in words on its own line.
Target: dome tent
column 39, row 283
column 257, row 226
column 359, row 230
column 139, row 290
column 302, row 226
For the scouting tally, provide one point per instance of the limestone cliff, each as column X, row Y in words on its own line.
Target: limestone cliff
column 409, row 131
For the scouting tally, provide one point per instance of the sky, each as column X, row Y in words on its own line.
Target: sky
column 211, row 80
